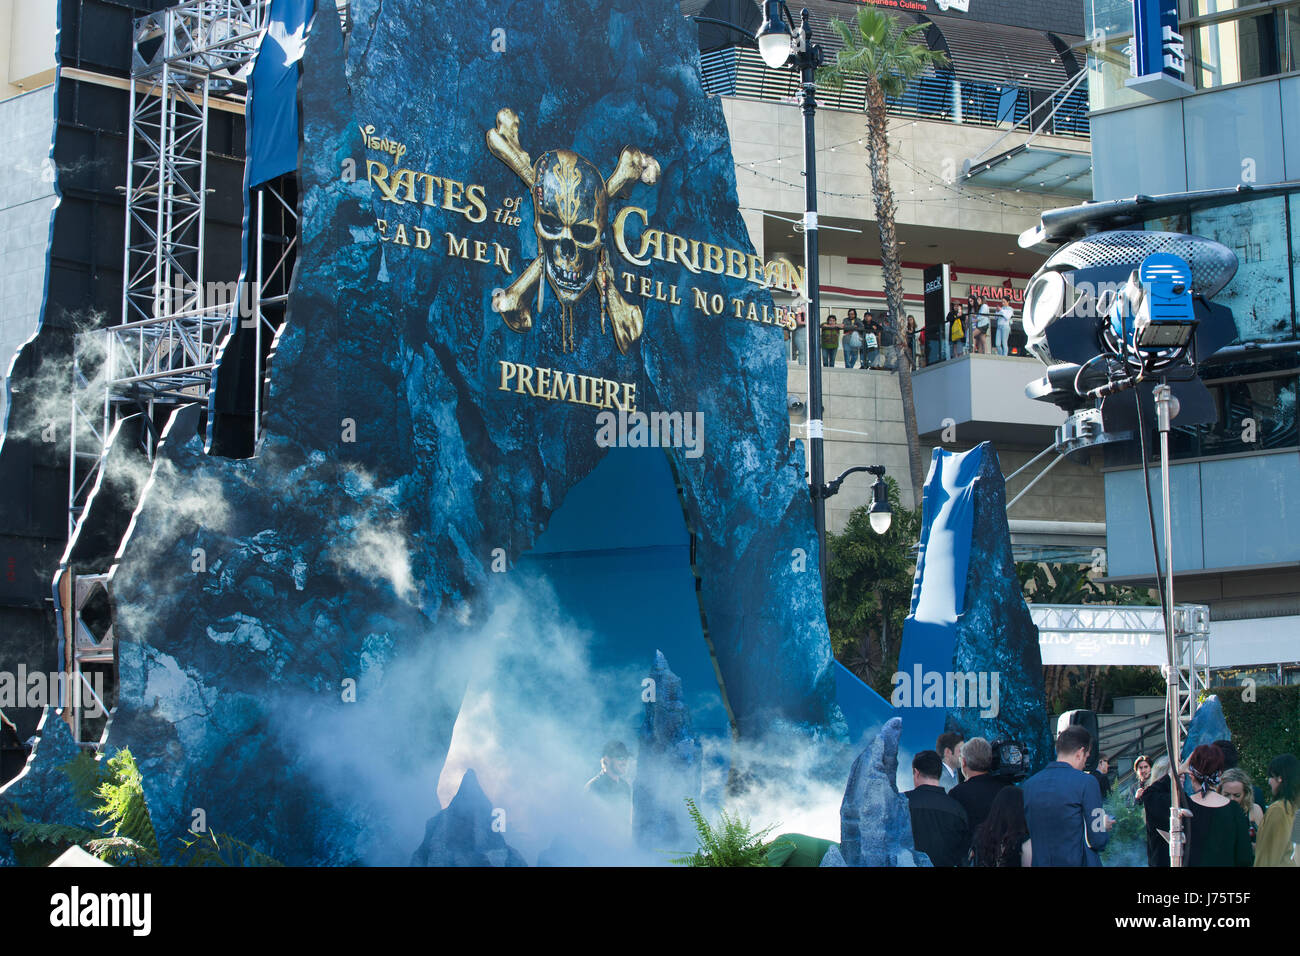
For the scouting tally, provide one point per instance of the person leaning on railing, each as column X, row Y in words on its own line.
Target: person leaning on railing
column 830, row 342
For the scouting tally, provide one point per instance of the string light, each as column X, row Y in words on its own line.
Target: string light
column 957, row 193
column 955, row 189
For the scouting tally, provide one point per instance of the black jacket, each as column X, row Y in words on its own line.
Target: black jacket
column 939, row 825
column 1155, row 802
column 976, row 797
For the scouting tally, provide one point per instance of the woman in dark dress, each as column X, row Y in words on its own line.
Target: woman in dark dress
column 1003, row 838
column 1154, row 798
column 1218, row 832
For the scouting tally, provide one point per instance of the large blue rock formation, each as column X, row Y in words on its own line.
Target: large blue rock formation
column 305, row 676
column 669, row 765
column 875, row 821
column 466, row 832
column 1207, row 725
column 969, row 659
column 43, row 792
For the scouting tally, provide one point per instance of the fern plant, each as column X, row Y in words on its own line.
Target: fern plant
column 113, row 792
column 221, row 849
column 37, row 844
column 731, row 843
column 122, row 809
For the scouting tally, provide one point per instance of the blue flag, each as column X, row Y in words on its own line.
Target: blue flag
column 273, row 92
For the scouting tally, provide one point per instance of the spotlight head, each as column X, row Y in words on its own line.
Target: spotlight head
column 1165, row 318
column 1079, row 283
column 1113, row 309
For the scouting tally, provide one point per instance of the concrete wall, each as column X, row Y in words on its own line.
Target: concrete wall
column 26, row 205
column 863, row 418
column 984, row 389
column 864, row 426
column 27, row 38
column 924, row 154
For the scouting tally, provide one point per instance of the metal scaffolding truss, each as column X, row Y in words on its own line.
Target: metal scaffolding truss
column 178, row 56
column 1192, row 657
column 1098, row 619
column 1191, row 637
column 88, row 644
column 172, row 324
column 88, row 435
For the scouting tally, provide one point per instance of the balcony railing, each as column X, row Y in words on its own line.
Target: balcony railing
column 940, row 96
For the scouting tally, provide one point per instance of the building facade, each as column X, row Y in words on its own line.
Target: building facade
column 979, row 149
column 1233, row 122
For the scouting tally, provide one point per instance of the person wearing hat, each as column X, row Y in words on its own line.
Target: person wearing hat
column 611, row 783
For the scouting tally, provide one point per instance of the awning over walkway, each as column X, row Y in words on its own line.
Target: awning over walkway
column 1036, row 169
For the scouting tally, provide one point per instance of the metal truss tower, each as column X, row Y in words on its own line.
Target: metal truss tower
column 172, row 324
column 1097, row 621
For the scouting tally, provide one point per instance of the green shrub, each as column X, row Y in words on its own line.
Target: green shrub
column 1127, row 845
column 113, row 792
column 1262, row 727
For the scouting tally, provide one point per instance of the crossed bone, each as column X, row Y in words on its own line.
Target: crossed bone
column 513, row 303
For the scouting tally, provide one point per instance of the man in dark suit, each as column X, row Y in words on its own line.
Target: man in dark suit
column 939, row 826
column 976, row 793
column 1067, row 825
column 948, row 747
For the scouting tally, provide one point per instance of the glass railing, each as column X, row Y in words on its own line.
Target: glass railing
column 936, row 96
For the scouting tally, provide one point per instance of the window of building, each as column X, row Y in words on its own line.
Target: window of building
column 1260, row 294
column 1254, row 415
column 1227, row 41
column 1231, row 41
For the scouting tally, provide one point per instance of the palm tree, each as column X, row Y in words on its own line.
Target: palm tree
column 888, row 58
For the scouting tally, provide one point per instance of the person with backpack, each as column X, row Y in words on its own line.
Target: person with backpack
column 872, row 348
column 957, row 334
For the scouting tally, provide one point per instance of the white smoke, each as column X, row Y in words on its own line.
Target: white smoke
column 46, row 396
column 788, row 783
column 376, row 547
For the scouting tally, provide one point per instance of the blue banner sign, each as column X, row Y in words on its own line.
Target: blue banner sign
column 1157, row 45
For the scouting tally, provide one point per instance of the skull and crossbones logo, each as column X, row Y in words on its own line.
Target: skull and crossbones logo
column 570, row 210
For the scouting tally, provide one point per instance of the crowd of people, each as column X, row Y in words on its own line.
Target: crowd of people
column 869, row 342
column 964, row 814
column 872, row 342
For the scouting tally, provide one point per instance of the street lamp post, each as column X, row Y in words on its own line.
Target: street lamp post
column 879, row 512
column 781, row 43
